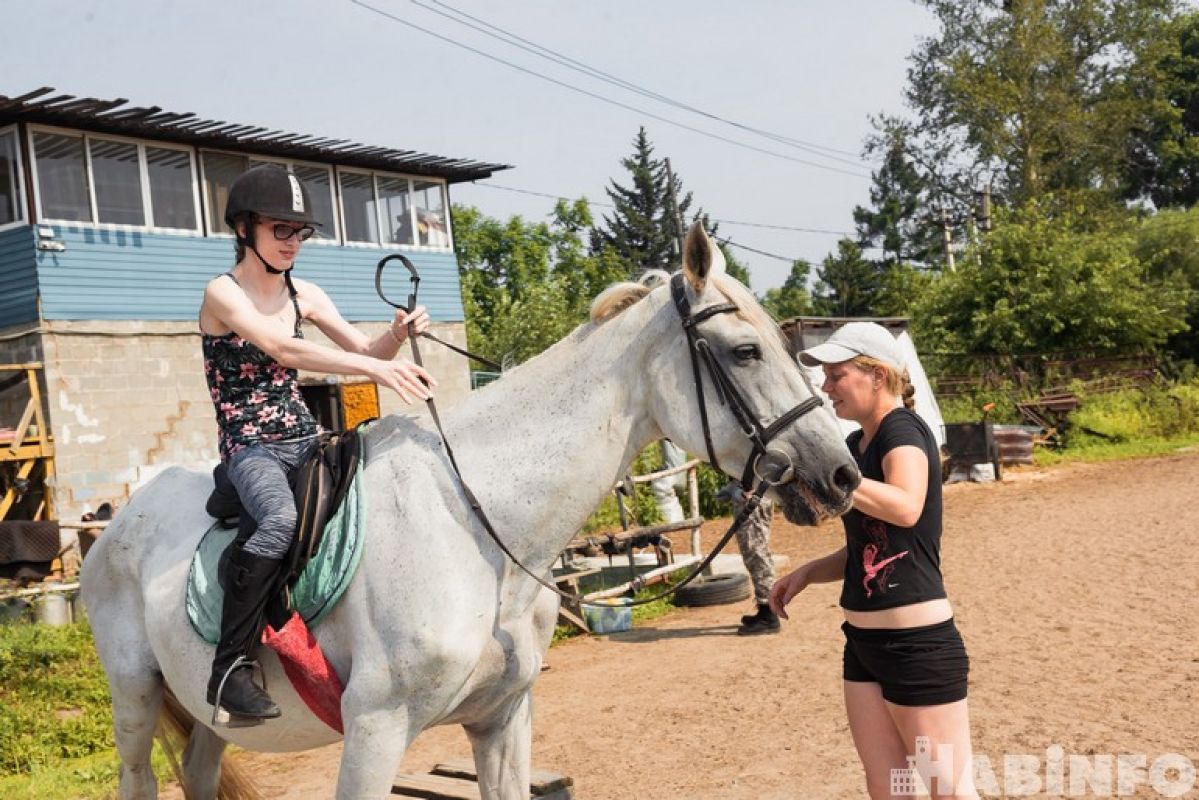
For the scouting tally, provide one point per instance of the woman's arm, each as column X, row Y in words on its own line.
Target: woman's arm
column 324, row 314
column 821, row 570
column 899, row 498
column 225, row 301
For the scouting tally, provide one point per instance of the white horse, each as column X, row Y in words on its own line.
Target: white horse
column 438, row 627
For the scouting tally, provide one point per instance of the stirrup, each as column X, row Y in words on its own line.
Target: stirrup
column 221, row 716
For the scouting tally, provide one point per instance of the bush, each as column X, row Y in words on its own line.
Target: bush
column 1135, row 414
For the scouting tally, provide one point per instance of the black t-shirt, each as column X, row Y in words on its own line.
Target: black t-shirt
column 887, row 565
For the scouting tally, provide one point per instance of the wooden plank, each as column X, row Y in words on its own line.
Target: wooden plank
column 435, row 787
column 571, row 617
column 22, row 427
column 541, row 782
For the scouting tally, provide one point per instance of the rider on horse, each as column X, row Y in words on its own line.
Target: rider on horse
column 250, row 325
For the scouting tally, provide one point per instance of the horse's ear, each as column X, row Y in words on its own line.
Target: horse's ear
column 701, row 258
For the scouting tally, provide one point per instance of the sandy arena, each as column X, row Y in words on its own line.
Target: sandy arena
column 1076, row 589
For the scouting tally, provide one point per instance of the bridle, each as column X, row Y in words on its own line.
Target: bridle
column 725, row 389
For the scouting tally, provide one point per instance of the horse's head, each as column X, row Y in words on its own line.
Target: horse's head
column 725, row 386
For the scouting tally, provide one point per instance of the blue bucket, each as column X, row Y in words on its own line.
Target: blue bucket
column 610, row 615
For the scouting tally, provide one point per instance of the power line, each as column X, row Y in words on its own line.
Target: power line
column 604, row 99
column 723, row 222
column 541, row 51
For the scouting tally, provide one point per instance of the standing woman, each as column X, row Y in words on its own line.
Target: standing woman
column 905, row 665
column 250, row 325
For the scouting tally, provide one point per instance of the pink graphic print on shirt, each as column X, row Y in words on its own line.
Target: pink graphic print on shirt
column 877, row 571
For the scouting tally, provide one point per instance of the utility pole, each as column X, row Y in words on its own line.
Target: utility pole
column 674, row 211
column 947, row 240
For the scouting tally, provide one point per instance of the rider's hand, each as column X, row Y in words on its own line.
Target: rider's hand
column 404, row 378
column 786, row 588
column 419, row 319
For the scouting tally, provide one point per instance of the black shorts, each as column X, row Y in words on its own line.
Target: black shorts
column 924, row 666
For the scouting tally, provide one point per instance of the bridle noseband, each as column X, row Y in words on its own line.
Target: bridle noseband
column 728, row 394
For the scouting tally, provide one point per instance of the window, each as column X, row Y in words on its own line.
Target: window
column 118, row 182
column 407, row 212
column 11, row 209
column 222, row 169
column 395, row 204
column 358, row 206
column 62, row 177
column 84, row 178
column 431, row 226
column 172, row 196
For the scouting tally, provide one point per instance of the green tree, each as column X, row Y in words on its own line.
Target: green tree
column 1163, row 154
column 898, row 223
column 1051, row 278
column 792, row 299
column 1168, row 245
column 641, row 231
column 848, row 283
column 526, row 285
column 1028, row 97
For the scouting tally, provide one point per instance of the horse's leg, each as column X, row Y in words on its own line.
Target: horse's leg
column 503, row 748
column 375, row 741
column 135, row 684
column 202, row 763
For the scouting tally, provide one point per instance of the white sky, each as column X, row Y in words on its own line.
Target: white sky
column 810, row 71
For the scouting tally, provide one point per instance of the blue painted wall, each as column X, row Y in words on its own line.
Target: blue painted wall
column 118, row 274
column 18, row 277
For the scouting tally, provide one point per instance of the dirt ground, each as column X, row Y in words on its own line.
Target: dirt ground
column 1076, row 589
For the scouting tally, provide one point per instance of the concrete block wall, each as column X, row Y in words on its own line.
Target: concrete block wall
column 128, row 399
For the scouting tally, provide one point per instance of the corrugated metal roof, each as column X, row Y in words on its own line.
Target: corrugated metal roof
column 112, row 116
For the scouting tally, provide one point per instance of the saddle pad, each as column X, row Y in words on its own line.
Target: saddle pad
column 316, row 590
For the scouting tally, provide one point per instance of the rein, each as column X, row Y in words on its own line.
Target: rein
column 725, row 388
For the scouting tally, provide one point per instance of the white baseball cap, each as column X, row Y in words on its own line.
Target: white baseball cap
column 856, row 339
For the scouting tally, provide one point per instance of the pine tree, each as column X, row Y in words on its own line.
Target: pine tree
column 640, row 231
column 849, row 284
column 897, row 223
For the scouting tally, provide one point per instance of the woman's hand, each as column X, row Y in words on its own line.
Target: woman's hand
column 419, row 319
column 785, row 589
column 404, row 378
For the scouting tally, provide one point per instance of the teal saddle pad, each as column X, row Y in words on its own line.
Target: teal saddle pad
column 316, row 591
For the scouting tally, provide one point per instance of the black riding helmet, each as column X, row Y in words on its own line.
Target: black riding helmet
column 267, row 190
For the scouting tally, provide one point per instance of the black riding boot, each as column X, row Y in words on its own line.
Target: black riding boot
column 248, row 580
column 765, row 621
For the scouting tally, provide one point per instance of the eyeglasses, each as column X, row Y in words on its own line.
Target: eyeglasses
column 283, row 232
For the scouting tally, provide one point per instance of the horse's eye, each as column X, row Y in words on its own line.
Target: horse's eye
column 747, row 352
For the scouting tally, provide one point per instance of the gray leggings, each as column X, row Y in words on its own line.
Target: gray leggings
column 259, row 473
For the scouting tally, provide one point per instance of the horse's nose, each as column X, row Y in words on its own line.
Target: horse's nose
column 846, row 478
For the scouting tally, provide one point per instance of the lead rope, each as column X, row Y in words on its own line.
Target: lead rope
column 751, row 504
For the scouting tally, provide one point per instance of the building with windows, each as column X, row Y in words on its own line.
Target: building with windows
column 111, row 223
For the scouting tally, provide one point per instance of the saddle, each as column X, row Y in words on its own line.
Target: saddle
column 319, row 485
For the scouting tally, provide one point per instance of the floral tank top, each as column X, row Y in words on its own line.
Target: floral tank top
column 257, row 399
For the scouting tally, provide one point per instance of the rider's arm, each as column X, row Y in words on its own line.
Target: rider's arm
column 899, row 499
column 225, row 301
column 324, row 314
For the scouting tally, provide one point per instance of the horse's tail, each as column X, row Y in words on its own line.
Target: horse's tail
column 175, row 726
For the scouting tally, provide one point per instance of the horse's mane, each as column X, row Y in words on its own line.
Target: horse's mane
column 620, row 296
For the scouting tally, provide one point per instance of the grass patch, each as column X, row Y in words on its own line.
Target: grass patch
column 55, row 715
column 1097, row 451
